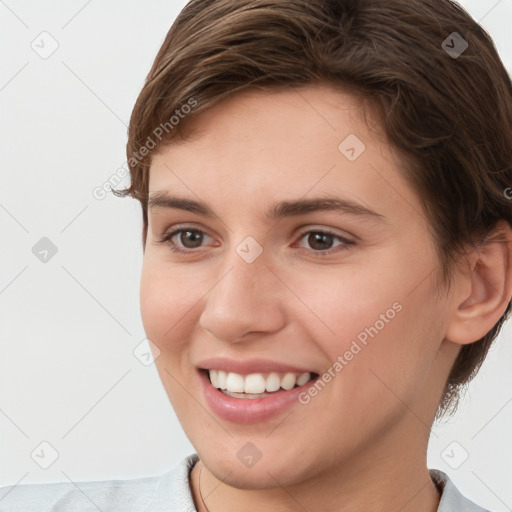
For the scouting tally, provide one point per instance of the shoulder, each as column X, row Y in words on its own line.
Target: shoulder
column 168, row 491
column 451, row 498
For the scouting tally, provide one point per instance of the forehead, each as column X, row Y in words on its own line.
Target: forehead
column 290, row 142
column 260, row 115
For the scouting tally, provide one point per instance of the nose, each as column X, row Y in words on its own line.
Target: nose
column 246, row 299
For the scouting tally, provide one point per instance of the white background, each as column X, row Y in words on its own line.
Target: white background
column 68, row 375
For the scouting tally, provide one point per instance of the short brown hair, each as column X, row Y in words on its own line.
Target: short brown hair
column 448, row 115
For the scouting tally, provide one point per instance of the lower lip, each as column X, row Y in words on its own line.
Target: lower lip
column 249, row 410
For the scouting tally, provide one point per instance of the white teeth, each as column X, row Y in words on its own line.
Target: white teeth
column 221, row 379
column 235, row 383
column 214, row 378
column 273, row 382
column 244, row 395
column 256, row 383
column 303, row 378
column 288, row 381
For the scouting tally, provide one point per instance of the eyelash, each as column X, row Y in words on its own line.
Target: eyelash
column 166, row 239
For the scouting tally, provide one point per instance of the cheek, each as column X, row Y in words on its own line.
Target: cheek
column 339, row 304
column 168, row 300
column 379, row 325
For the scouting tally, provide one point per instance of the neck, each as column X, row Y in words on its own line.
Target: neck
column 379, row 481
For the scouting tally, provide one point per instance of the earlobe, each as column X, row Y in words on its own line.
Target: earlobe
column 489, row 282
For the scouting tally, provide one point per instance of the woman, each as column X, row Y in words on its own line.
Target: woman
column 327, row 252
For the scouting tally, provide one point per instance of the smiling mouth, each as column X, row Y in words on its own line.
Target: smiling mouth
column 257, row 385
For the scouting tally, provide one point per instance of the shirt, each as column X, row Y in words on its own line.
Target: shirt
column 168, row 492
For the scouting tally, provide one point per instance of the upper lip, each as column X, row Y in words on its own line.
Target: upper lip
column 246, row 367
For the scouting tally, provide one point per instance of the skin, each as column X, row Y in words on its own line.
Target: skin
column 361, row 442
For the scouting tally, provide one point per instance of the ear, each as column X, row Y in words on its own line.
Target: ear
column 484, row 290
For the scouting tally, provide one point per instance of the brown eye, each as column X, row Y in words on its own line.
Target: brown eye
column 190, row 239
column 184, row 240
column 320, row 241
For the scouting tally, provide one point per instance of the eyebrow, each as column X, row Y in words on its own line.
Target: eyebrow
column 277, row 211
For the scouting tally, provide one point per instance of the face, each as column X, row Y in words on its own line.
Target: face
column 307, row 265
